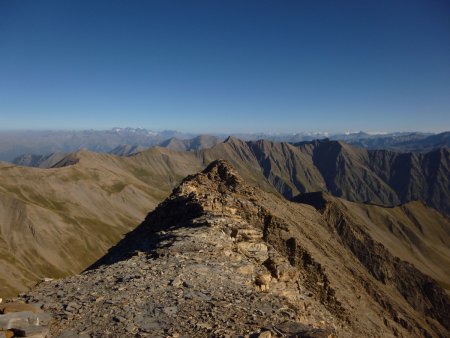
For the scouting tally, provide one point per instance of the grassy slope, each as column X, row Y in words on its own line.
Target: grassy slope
column 55, row 222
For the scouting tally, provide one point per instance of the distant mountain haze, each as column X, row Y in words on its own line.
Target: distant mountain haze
column 14, row 144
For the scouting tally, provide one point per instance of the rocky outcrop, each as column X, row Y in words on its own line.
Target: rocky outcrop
column 23, row 320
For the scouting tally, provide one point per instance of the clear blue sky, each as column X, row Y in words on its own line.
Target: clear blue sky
column 219, row 66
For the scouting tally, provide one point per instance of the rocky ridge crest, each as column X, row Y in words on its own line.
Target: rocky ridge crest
column 220, row 258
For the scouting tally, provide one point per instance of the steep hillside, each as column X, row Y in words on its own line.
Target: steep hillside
column 39, row 161
column 413, row 232
column 416, row 176
column 346, row 172
column 380, row 176
column 241, row 156
column 286, row 168
column 127, row 150
column 220, row 257
column 55, row 222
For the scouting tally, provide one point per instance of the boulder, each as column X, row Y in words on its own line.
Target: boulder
column 18, row 320
column 18, row 307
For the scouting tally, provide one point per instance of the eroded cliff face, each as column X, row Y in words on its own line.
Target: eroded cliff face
column 220, row 257
column 419, row 290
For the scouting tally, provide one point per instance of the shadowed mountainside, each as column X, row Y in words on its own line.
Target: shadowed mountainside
column 39, row 161
column 377, row 176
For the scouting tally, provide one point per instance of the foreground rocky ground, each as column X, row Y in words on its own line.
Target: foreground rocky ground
column 198, row 286
column 222, row 259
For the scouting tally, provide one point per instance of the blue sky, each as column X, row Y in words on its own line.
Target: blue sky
column 226, row 66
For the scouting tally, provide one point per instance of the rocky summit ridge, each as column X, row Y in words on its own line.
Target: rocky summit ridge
column 221, row 258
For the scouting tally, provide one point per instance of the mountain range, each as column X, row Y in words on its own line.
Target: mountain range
column 57, row 221
column 220, row 257
column 36, row 142
column 16, row 144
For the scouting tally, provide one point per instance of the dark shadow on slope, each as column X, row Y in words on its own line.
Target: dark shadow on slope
column 179, row 210
column 173, row 213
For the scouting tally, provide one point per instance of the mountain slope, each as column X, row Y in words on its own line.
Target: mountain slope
column 39, row 161
column 416, row 176
column 127, row 150
column 193, row 144
column 347, row 174
column 55, row 222
column 382, row 176
column 220, row 257
column 413, row 232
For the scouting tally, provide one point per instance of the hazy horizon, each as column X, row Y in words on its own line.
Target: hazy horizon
column 229, row 132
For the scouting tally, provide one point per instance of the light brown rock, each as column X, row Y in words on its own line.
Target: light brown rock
column 18, row 307
column 265, row 334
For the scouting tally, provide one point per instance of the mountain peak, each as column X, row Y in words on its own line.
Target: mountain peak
column 219, row 176
column 232, row 139
column 205, row 194
column 223, row 171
